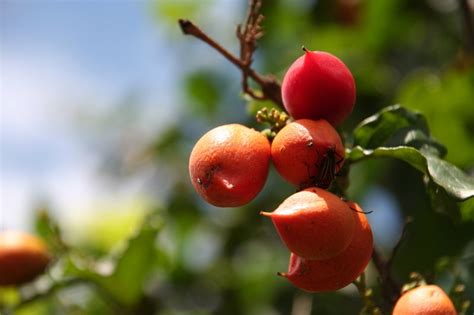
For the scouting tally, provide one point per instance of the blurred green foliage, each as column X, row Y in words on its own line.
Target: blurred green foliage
column 187, row 257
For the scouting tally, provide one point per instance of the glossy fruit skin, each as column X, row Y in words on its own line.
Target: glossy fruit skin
column 22, row 257
column 337, row 272
column 314, row 223
column 300, row 148
column 229, row 165
column 424, row 300
column 318, row 85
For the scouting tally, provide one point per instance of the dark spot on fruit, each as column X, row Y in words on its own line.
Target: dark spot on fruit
column 207, row 180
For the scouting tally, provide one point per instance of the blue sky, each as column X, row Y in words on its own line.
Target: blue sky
column 59, row 58
column 56, row 56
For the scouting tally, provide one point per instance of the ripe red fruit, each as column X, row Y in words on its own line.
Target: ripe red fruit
column 22, row 257
column 424, row 300
column 314, row 223
column 337, row 272
column 229, row 165
column 318, row 85
column 308, row 153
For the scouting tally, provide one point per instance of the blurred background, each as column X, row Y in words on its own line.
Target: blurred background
column 101, row 103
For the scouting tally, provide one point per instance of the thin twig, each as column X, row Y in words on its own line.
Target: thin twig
column 468, row 24
column 403, row 236
column 390, row 288
column 247, row 34
column 189, row 28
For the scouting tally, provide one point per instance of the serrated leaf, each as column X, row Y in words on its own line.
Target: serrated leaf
column 395, row 126
column 454, row 181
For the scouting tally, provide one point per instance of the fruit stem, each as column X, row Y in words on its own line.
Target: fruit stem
column 282, row 274
column 305, row 49
column 266, row 214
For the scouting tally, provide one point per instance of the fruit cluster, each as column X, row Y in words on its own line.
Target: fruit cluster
column 329, row 239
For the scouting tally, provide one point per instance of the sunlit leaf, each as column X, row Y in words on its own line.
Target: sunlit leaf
column 395, row 126
column 134, row 264
column 455, row 182
column 124, row 274
column 446, row 100
column 49, row 230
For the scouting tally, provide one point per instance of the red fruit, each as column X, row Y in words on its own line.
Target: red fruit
column 337, row 272
column 424, row 300
column 229, row 165
column 319, row 86
column 22, row 257
column 314, row 223
column 308, row 153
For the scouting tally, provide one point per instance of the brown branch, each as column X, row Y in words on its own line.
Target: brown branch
column 189, row 28
column 248, row 34
column 468, row 24
column 390, row 288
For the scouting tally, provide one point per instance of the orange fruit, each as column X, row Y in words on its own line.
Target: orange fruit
column 22, row 257
column 424, row 300
column 337, row 272
column 229, row 165
column 314, row 223
column 308, row 153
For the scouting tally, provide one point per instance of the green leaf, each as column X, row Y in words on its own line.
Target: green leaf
column 204, row 88
column 133, row 265
column 123, row 275
column 395, row 126
column 167, row 143
column 445, row 99
column 467, row 210
column 454, row 181
column 441, row 202
column 48, row 229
